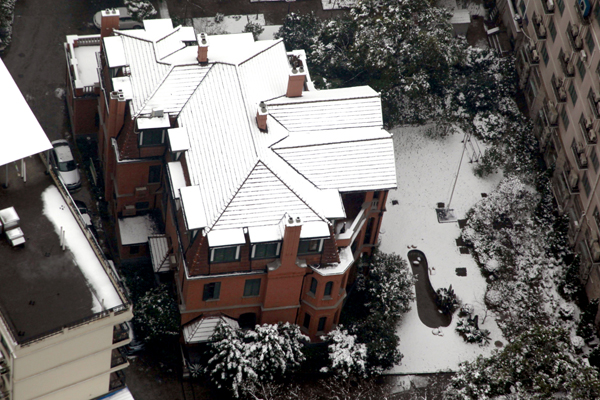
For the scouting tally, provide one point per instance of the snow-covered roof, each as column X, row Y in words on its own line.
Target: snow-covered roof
column 176, row 177
column 159, row 249
column 201, row 329
column 315, row 146
column 136, row 230
column 20, row 132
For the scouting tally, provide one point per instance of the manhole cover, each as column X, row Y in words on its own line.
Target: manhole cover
column 461, row 272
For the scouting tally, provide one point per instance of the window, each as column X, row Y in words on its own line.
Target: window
column 594, row 158
column 142, row 205
column 266, row 250
column 561, row 6
column 552, row 29
column 152, row 137
column 225, row 254
column 211, row 291
column 328, row 288
column 597, row 217
column 565, row 117
column 581, row 68
column 522, row 8
column 586, row 184
column 322, row 322
column 306, row 322
column 589, row 40
column 134, row 249
column 313, row 286
column 252, row 288
column 573, row 92
column 545, row 54
column 311, row 246
column 154, row 174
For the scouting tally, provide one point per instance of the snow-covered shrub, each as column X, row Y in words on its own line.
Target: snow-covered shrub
column 468, row 328
column 219, row 17
column 240, row 360
column 537, row 364
column 156, row 315
column 446, row 300
column 140, row 9
column 254, row 28
column 587, row 325
column 7, row 10
column 382, row 294
column 346, row 356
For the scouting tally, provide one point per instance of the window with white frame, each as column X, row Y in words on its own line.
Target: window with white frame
column 224, row 254
column 310, row 246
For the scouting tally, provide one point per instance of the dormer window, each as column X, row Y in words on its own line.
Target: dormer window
column 310, row 246
column 225, row 254
column 266, row 250
column 152, row 137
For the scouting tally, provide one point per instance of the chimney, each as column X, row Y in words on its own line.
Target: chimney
column 203, row 48
column 296, row 78
column 261, row 116
column 291, row 240
column 109, row 21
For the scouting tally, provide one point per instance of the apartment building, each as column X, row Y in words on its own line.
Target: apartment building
column 62, row 311
column 558, row 61
column 268, row 190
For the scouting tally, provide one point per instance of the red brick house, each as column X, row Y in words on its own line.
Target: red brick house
column 268, row 189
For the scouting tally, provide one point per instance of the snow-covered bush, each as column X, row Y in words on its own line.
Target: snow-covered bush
column 587, row 324
column 254, row 28
column 7, row 10
column 537, row 364
column 245, row 361
column 468, row 328
column 346, row 356
column 382, row 294
column 156, row 315
column 446, row 300
column 140, row 9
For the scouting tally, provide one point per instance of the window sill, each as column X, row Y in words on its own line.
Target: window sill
column 311, row 294
column 249, row 297
column 327, row 298
column 211, row 300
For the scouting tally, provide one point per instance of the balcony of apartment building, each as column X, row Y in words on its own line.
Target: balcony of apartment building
column 583, row 10
column 121, row 334
column 117, row 380
column 559, row 88
column 118, row 359
column 579, row 154
column 575, row 36
column 81, row 54
column 549, row 6
column 539, row 26
column 588, row 130
column 593, row 99
column 566, row 63
column 549, row 113
column 574, row 211
column 357, row 213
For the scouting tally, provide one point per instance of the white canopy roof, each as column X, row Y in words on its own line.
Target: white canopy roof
column 20, row 132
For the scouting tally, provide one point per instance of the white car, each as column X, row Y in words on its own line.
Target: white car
column 126, row 20
column 63, row 162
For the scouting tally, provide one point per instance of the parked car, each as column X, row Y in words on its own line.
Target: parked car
column 63, row 162
column 126, row 20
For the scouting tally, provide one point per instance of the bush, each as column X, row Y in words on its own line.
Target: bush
column 140, row 9
column 446, row 300
column 156, row 316
column 587, row 325
column 254, row 28
column 468, row 328
column 346, row 356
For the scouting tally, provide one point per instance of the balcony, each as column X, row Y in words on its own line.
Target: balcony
column 575, row 36
column 533, row 55
column 117, row 381
column 117, row 358
column 549, row 6
column 558, row 84
column 588, row 131
column 594, row 103
column 120, row 333
column 549, row 113
column 583, row 9
column 571, row 181
column 347, row 230
column 545, row 137
column 579, row 154
column 3, row 365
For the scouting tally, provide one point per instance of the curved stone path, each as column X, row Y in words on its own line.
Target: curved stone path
column 426, row 307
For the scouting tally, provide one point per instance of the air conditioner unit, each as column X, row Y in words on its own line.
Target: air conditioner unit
column 172, row 260
column 537, row 19
column 550, row 5
column 582, row 159
column 574, row 30
column 570, row 69
column 566, row 58
column 141, row 191
column 583, row 55
column 535, row 56
column 562, row 93
column 588, row 123
column 592, row 135
column 157, row 113
column 578, row 42
column 596, row 251
column 129, row 210
column 542, row 29
column 573, row 180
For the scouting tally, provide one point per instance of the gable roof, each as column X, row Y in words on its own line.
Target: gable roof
column 317, row 144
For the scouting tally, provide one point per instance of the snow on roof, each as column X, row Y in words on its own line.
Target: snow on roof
column 115, row 53
column 354, row 166
column 191, row 201
column 176, row 177
column 262, row 234
column 136, row 230
column 57, row 211
column 226, row 237
column 20, row 132
column 159, row 249
column 157, row 29
column 201, row 329
column 460, row 17
column 153, row 122
column 328, row 109
column 178, row 139
column 123, row 83
column 346, row 260
column 314, row 229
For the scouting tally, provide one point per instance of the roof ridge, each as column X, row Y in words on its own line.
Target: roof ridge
column 154, row 91
column 276, row 42
column 323, row 100
column 127, row 34
column 275, row 148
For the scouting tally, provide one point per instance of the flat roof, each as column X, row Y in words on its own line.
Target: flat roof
column 42, row 287
column 20, row 132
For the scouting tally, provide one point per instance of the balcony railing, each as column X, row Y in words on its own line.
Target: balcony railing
column 588, row 131
column 117, row 381
column 594, row 102
column 558, row 84
column 579, row 154
column 117, row 358
column 571, row 181
column 584, row 15
column 549, row 113
column 120, row 333
column 539, row 27
column 575, row 36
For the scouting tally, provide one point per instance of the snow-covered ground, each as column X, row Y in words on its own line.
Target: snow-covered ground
column 57, row 211
column 225, row 24
column 425, row 169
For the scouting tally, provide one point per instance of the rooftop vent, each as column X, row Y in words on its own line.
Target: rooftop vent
column 203, row 48
column 261, row 116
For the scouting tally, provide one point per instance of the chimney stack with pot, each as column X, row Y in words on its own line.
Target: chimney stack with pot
column 203, row 48
column 109, row 21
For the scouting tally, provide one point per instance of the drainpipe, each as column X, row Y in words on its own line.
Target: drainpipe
column 301, row 292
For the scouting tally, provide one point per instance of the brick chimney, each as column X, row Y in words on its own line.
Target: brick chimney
column 261, row 116
column 296, row 78
column 291, row 240
column 109, row 21
column 203, row 48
